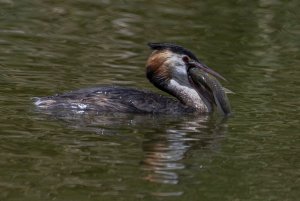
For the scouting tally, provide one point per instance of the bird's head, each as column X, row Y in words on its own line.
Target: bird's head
column 170, row 62
column 168, row 69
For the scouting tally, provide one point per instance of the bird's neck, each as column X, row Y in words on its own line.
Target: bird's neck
column 188, row 96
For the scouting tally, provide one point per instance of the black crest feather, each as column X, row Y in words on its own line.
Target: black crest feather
column 174, row 48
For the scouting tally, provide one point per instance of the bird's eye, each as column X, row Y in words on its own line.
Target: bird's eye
column 186, row 59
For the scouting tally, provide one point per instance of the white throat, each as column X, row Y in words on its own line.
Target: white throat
column 189, row 96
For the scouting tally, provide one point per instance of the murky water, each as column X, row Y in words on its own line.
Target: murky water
column 48, row 46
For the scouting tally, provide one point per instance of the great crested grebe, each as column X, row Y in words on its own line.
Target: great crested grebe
column 172, row 69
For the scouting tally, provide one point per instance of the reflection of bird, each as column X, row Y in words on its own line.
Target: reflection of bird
column 167, row 69
column 173, row 151
column 163, row 156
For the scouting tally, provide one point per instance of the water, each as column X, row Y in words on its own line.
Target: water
column 47, row 47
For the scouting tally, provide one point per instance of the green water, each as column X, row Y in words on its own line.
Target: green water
column 52, row 46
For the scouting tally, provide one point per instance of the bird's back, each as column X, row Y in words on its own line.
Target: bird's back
column 113, row 99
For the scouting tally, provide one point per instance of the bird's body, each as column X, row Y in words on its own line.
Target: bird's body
column 168, row 69
column 114, row 99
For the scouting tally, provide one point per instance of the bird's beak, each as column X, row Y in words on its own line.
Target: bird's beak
column 203, row 67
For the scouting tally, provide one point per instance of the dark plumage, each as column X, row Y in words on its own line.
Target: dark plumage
column 114, row 99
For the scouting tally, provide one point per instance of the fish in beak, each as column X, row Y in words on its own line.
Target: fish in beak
column 205, row 82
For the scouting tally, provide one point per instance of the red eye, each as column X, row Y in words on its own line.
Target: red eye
column 186, row 59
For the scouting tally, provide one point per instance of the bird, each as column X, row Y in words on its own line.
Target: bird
column 173, row 69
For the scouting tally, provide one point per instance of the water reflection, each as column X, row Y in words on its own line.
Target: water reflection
column 163, row 156
column 166, row 151
column 167, row 141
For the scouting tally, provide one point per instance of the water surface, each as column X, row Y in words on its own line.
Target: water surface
column 49, row 47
